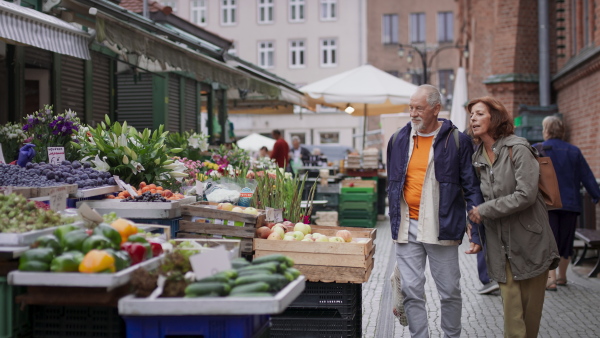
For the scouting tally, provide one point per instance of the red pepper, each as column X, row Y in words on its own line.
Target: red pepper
column 156, row 249
column 136, row 251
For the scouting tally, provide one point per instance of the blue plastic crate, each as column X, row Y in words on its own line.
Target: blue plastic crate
column 75, row 321
column 72, row 202
column 172, row 222
column 206, row 326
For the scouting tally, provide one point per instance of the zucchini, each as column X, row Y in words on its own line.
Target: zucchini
column 239, row 262
column 276, row 282
column 254, row 294
column 271, row 266
column 207, row 289
column 252, row 287
column 273, row 258
column 254, row 272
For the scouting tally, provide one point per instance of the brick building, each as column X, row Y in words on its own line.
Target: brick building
column 504, row 60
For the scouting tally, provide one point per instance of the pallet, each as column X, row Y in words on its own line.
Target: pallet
column 205, row 210
column 335, row 274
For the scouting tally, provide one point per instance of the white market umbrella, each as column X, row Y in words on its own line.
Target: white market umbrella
column 368, row 90
column 254, row 142
column 458, row 114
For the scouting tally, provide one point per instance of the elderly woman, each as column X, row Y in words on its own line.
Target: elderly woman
column 520, row 246
column 572, row 170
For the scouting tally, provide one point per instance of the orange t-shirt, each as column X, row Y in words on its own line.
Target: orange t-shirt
column 415, row 174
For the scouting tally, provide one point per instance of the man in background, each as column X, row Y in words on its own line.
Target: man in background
column 280, row 149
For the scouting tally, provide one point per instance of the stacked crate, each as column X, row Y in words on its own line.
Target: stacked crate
column 353, row 162
column 370, row 159
column 358, row 204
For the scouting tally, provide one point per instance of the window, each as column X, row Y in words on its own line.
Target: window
column 330, row 137
column 265, row 11
column 297, row 10
column 445, row 26
column 266, row 54
column 417, row 27
column 198, row 12
column 172, row 4
column 228, row 9
column 389, row 29
column 328, row 10
column 446, row 82
column 297, row 51
column 328, row 53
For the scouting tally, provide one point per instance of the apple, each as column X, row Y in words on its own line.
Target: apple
column 279, row 231
column 250, row 211
column 269, row 225
column 263, row 232
column 225, row 206
column 237, row 209
column 298, row 235
column 306, row 240
column 309, row 236
column 289, row 238
column 345, row 235
column 279, row 224
column 288, row 223
column 336, row 240
column 322, row 239
column 305, row 228
column 274, row 236
column 316, row 235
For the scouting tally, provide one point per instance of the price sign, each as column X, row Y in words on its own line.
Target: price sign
column 120, row 183
column 89, row 214
column 6, row 190
column 58, row 201
column 199, row 188
column 274, row 215
column 56, row 155
column 210, row 262
column 1, row 154
column 130, row 190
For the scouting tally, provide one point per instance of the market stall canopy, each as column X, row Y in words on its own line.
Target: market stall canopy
column 381, row 92
column 458, row 113
column 254, row 142
column 20, row 25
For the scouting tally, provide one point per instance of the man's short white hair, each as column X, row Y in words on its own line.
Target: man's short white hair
column 434, row 97
column 296, row 138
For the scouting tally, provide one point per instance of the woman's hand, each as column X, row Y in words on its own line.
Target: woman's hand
column 474, row 215
column 473, row 248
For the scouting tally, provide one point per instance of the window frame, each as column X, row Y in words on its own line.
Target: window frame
column 448, row 33
column 199, row 10
column 420, row 24
column 333, row 54
column 265, row 5
column 393, row 30
column 266, row 50
column 300, row 6
column 229, row 6
column 331, row 12
column 333, row 133
column 297, row 50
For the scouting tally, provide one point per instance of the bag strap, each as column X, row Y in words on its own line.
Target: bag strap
column 396, row 135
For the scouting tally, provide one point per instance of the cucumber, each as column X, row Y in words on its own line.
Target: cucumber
column 295, row 272
column 271, row 266
column 252, row 287
column 216, row 278
column 273, row 258
column 231, row 274
column 276, row 282
column 254, row 294
column 239, row 262
column 207, row 289
column 254, row 272
column 289, row 276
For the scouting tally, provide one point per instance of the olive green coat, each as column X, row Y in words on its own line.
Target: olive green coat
column 514, row 213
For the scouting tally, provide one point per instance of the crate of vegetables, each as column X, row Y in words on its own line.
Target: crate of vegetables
column 102, row 257
column 321, row 253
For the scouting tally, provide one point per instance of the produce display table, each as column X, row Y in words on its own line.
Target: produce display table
column 145, row 210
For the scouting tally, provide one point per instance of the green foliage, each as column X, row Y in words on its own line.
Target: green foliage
column 191, row 142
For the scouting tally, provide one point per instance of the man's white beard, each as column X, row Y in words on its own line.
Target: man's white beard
column 417, row 126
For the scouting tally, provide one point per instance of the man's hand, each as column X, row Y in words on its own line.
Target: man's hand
column 473, row 248
column 474, row 215
column 469, row 229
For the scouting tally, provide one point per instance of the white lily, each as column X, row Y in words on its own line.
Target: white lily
column 178, row 175
column 215, row 174
column 194, row 141
column 122, row 142
column 230, row 170
column 288, row 176
column 137, row 167
column 100, row 164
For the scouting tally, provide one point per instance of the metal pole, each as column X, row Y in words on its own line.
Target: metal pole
column 365, row 128
column 145, row 12
column 424, row 59
column 544, row 54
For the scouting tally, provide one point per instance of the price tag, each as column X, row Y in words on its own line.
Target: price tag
column 56, row 155
column 210, row 262
column 120, row 183
column 1, row 155
column 58, row 201
column 130, row 190
column 270, row 214
column 199, row 188
column 89, row 214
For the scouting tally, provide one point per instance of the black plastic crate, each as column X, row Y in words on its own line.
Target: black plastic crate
column 76, row 321
column 342, row 297
column 307, row 323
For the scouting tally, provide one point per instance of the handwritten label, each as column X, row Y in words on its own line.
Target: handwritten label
column 89, row 214
column 120, row 183
column 210, row 262
column 56, row 155
column 1, row 155
column 130, row 190
column 274, row 215
column 58, row 201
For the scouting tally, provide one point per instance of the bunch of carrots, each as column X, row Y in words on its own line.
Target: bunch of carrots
column 152, row 188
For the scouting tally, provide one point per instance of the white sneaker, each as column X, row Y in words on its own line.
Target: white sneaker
column 489, row 288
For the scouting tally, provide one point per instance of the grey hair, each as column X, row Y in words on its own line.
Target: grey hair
column 295, row 138
column 433, row 95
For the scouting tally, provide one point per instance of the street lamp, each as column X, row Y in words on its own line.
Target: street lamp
column 423, row 54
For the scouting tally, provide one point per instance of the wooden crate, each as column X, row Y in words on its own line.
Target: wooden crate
column 325, row 261
column 360, row 184
column 245, row 244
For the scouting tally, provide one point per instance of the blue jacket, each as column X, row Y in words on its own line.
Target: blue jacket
column 572, row 170
column 454, row 172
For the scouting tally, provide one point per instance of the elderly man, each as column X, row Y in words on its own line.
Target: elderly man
column 298, row 153
column 431, row 185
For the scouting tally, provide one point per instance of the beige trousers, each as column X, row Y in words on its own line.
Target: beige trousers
column 523, row 301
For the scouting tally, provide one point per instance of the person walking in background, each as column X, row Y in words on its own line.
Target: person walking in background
column 431, row 183
column 519, row 242
column 572, row 170
column 280, row 150
column 299, row 156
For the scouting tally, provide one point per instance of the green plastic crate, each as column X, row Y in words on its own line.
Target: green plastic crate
column 333, row 199
column 358, row 223
column 358, row 214
column 362, row 206
column 369, row 198
column 357, row 190
column 13, row 320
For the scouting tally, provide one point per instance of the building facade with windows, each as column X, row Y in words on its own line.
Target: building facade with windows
column 428, row 25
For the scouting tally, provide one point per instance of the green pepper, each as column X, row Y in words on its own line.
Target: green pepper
column 141, row 240
column 96, row 242
column 78, row 255
column 48, row 241
column 62, row 230
column 109, row 232
column 74, row 240
column 36, row 259
column 122, row 259
column 67, row 262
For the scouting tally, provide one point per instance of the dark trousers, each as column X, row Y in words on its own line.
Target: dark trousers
column 481, row 265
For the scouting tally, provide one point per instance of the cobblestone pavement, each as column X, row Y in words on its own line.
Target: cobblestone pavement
column 570, row 312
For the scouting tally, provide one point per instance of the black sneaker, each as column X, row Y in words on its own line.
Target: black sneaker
column 489, row 288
